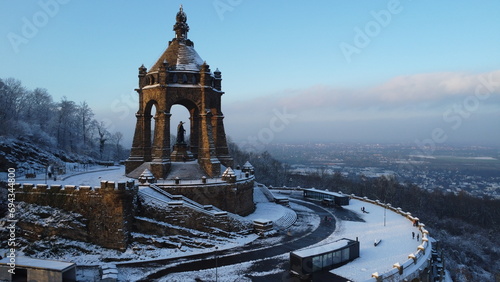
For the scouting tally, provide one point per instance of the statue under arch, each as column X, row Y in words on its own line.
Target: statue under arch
column 181, row 77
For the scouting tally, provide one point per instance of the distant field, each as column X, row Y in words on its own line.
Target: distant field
column 486, row 164
column 467, row 159
column 458, row 158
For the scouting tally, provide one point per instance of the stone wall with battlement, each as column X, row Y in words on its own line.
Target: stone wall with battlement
column 108, row 209
column 236, row 197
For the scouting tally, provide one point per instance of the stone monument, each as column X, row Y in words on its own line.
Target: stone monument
column 179, row 77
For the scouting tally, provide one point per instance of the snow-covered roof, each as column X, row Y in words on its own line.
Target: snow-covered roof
column 323, row 248
column 146, row 174
column 188, row 58
column 326, row 192
column 228, row 172
column 247, row 165
column 39, row 263
column 181, row 55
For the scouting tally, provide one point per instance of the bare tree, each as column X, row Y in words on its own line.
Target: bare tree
column 103, row 137
column 11, row 93
column 66, row 122
column 85, row 116
column 117, row 137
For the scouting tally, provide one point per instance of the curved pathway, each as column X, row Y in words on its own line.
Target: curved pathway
column 248, row 252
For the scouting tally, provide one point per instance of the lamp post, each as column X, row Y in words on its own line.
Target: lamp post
column 385, row 210
column 216, row 274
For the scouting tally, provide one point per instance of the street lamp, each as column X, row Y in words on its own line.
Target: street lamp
column 216, row 274
column 385, row 210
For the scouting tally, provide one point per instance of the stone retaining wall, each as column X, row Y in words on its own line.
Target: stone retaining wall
column 108, row 209
column 232, row 197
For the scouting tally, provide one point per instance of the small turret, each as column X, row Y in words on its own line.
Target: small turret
column 147, row 177
column 217, row 80
column 142, row 76
column 229, row 175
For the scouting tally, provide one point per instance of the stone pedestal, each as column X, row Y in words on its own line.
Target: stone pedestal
column 160, row 169
column 181, row 153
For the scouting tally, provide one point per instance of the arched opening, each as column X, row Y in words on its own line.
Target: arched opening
column 149, row 129
column 185, row 110
column 179, row 113
column 153, row 124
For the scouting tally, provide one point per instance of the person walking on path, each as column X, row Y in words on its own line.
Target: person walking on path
column 413, row 235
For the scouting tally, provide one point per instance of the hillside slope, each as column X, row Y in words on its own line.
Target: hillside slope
column 26, row 157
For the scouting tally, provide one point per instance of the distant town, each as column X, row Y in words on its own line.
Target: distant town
column 472, row 169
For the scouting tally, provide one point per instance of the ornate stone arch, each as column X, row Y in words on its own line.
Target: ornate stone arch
column 188, row 82
column 194, row 121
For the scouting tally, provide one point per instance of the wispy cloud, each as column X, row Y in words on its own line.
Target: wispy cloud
column 434, row 87
column 401, row 106
column 428, row 89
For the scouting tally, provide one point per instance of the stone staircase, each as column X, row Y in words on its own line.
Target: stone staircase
column 269, row 195
column 286, row 220
column 163, row 198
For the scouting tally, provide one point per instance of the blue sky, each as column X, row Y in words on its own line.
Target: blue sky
column 369, row 71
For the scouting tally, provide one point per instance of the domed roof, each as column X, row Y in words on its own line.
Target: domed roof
column 180, row 52
column 180, row 55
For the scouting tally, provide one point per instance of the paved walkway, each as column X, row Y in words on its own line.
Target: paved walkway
column 251, row 252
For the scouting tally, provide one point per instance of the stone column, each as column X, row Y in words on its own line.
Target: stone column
column 206, row 153
column 221, row 149
column 161, row 142
column 194, row 136
column 141, row 144
column 160, row 164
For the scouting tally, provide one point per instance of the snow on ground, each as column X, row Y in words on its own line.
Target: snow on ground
column 139, row 252
column 93, row 255
column 92, row 177
column 230, row 273
column 396, row 244
column 308, row 220
column 264, row 208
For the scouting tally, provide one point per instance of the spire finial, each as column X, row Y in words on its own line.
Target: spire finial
column 181, row 28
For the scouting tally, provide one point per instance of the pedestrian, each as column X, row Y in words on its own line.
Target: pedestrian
column 413, row 235
column 417, row 236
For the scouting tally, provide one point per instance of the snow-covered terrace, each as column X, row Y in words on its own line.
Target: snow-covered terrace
column 94, row 177
column 396, row 250
column 240, row 177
